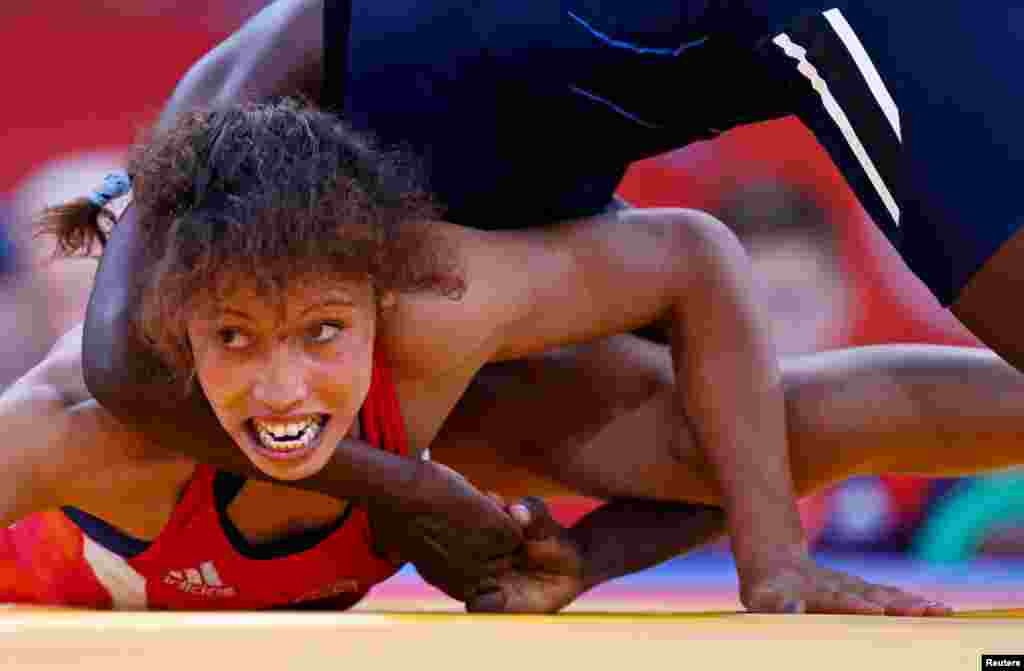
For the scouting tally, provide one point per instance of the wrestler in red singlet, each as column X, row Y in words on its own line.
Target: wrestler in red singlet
column 200, row 561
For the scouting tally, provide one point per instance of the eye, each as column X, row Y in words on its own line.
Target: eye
column 324, row 332
column 233, row 338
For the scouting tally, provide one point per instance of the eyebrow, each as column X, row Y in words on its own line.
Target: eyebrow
column 331, row 301
column 234, row 313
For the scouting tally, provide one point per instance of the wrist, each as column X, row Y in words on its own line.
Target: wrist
column 773, row 533
column 770, row 559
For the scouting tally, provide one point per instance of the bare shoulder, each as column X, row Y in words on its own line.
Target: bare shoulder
column 432, row 334
column 64, row 453
column 101, row 456
column 90, row 451
column 542, row 286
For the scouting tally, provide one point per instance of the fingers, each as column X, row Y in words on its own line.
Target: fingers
column 794, row 606
column 450, row 497
column 843, row 603
column 536, row 519
column 829, row 592
column 489, row 602
column 521, row 514
column 897, row 602
column 853, row 593
column 774, row 600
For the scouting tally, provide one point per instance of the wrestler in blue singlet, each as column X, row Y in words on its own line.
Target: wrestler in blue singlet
column 540, row 106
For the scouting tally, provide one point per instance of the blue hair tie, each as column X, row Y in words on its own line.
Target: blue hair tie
column 115, row 185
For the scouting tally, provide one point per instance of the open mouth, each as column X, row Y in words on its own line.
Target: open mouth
column 287, row 440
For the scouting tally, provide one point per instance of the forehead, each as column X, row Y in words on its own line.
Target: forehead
column 297, row 296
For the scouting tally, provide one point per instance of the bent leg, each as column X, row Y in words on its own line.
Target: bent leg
column 600, row 420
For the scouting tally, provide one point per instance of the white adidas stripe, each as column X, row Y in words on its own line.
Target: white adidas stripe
column 127, row 587
column 799, row 53
column 210, row 574
column 866, row 67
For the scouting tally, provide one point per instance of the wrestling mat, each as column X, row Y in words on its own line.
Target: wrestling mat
column 683, row 616
column 45, row 639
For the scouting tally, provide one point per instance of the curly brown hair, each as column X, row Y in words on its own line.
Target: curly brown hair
column 263, row 195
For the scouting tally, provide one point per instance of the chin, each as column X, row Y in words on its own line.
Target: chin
column 291, row 472
column 293, row 469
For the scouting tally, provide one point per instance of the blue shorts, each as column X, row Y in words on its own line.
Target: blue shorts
column 529, row 111
column 920, row 107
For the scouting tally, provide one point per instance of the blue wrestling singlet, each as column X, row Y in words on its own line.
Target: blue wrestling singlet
column 529, row 111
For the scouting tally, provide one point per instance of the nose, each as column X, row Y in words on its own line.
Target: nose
column 281, row 385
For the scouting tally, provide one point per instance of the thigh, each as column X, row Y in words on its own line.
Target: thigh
column 603, row 420
column 599, row 420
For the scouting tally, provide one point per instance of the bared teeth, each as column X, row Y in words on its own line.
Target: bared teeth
column 283, row 437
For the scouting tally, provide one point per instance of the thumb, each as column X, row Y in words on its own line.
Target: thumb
column 794, row 606
column 488, row 602
column 776, row 601
column 538, row 523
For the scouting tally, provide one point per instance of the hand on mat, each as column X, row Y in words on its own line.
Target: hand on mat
column 799, row 585
column 456, row 547
column 547, row 573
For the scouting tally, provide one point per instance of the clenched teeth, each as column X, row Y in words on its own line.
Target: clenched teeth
column 289, row 436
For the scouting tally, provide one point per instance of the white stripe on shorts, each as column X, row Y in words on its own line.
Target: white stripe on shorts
column 867, row 68
column 799, row 54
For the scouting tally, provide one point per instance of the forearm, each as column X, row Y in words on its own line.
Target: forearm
column 123, row 373
column 730, row 387
column 276, row 52
column 629, row 535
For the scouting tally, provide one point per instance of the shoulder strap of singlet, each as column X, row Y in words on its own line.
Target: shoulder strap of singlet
column 337, row 28
column 381, row 415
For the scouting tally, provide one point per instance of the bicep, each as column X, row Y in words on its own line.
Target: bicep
column 612, row 274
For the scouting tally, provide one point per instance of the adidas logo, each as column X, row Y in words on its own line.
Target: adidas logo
column 203, row 581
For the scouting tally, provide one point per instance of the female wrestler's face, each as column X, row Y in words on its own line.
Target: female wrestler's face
column 286, row 378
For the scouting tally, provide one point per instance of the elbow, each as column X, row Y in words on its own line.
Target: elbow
column 709, row 271
column 709, row 244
